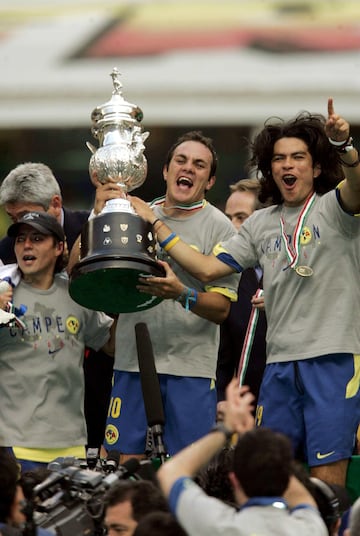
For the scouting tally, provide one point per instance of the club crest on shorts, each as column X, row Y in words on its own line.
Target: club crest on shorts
column 111, row 434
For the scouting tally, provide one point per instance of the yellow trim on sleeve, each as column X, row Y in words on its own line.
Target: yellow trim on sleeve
column 228, row 293
column 217, row 249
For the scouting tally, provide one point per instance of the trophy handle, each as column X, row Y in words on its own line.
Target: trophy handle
column 91, row 147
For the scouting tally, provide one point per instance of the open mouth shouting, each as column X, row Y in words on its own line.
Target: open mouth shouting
column 289, row 180
column 28, row 259
column 184, row 182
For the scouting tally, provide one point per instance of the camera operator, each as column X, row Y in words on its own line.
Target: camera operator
column 12, row 501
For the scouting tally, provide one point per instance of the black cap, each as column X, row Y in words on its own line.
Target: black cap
column 42, row 222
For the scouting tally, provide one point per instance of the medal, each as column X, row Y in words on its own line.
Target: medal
column 304, row 271
column 292, row 250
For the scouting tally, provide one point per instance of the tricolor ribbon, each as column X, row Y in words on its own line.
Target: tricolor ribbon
column 292, row 250
column 249, row 339
column 158, row 201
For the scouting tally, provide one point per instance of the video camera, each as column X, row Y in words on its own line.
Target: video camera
column 70, row 501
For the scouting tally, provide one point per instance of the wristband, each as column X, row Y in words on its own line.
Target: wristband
column 342, row 146
column 158, row 227
column 220, row 427
column 353, row 165
column 167, row 240
column 340, row 143
column 172, row 243
column 188, row 298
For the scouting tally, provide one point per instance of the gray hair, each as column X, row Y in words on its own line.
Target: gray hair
column 29, row 183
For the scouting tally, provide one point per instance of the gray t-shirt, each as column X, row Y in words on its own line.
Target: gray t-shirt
column 184, row 344
column 307, row 316
column 41, row 372
column 202, row 515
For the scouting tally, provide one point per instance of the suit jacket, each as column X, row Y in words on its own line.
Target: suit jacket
column 73, row 223
column 232, row 336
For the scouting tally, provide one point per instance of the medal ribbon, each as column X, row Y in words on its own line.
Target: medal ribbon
column 191, row 206
column 249, row 339
column 293, row 250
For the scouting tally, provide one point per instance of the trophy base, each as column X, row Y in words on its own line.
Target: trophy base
column 109, row 284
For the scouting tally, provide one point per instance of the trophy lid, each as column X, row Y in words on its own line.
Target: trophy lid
column 115, row 111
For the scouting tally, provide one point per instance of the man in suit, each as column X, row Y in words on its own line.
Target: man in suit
column 33, row 187
column 241, row 203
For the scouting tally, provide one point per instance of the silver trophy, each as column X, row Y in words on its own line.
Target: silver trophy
column 117, row 246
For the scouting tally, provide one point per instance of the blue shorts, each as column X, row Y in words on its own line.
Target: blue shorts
column 189, row 409
column 26, row 465
column 316, row 403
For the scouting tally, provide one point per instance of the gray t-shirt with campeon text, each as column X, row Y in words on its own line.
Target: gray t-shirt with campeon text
column 41, row 368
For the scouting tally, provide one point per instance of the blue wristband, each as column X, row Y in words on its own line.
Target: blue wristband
column 167, row 240
column 188, row 298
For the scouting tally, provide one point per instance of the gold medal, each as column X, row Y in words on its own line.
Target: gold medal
column 304, row 271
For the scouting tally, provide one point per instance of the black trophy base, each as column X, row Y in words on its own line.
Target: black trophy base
column 109, row 284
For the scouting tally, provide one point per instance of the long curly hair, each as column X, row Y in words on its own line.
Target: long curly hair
column 310, row 129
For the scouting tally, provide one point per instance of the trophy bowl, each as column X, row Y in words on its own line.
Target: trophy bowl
column 117, row 246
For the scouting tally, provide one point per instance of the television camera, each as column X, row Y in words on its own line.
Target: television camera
column 70, row 500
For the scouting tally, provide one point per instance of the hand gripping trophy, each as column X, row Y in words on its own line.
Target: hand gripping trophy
column 117, row 246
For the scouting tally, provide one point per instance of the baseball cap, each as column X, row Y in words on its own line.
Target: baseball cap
column 42, row 222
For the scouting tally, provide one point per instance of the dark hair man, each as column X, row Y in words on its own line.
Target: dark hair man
column 129, row 502
column 307, row 244
column 183, row 327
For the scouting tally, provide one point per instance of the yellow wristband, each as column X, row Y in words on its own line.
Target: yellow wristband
column 172, row 243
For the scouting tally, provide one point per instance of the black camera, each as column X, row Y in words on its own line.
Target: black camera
column 70, row 500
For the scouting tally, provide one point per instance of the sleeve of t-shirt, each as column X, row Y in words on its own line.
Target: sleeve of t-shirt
column 97, row 331
column 175, row 492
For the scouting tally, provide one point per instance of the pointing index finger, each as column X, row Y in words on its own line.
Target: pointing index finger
column 331, row 110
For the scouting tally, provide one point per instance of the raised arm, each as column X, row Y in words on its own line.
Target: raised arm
column 203, row 267
column 237, row 418
column 338, row 130
column 104, row 192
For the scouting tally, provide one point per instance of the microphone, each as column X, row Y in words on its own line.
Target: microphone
column 150, row 388
column 112, row 461
column 92, row 456
column 44, row 486
column 127, row 470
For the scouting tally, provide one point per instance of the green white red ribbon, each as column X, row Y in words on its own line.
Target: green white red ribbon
column 292, row 250
column 191, row 206
column 249, row 339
